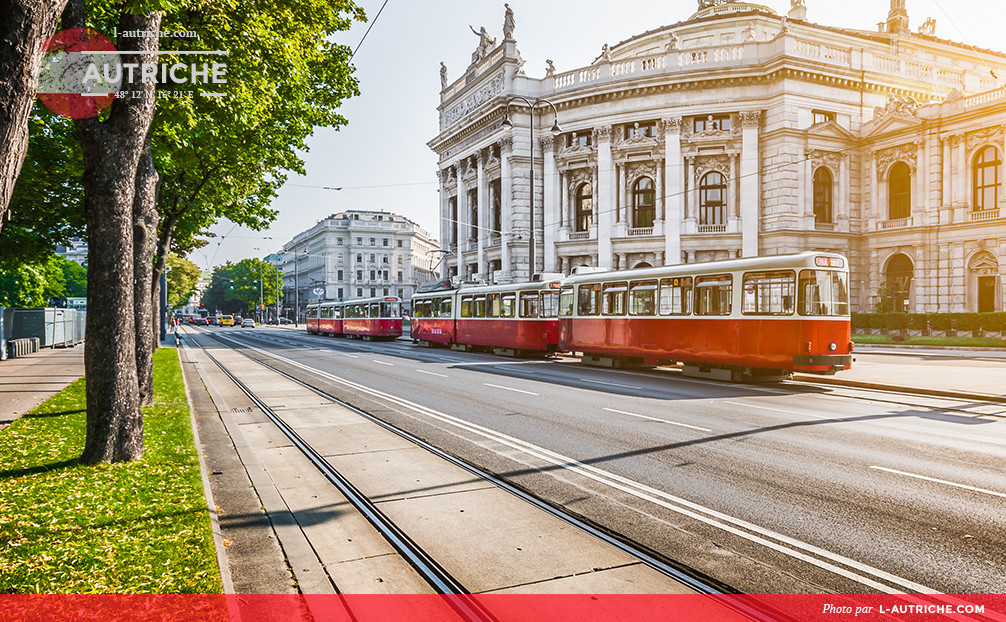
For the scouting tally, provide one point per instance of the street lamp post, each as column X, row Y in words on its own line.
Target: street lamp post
column 296, row 286
column 555, row 130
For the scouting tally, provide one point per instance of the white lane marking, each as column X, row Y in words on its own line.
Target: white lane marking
column 683, row 425
column 939, row 481
column 508, row 388
column 778, row 410
column 431, row 373
column 382, row 362
column 759, row 535
column 610, row 384
column 352, row 356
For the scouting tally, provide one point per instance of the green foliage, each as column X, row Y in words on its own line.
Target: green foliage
column 33, row 284
column 236, row 287
column 136, row 527
column 994, row 321
column 918, row 321
column 75, row 276
column 47, row 205
column 182, row 279
column 228, row 156
column 940, row 321
column 860, row 321
column 896, row 321
column 967, row 322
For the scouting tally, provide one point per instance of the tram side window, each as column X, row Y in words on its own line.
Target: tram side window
column 613, row 298
column 466, row 306
column 479, row 306
column 566, row 302
column 375, row 310
column 445, row 307
column 713, row 294
column 589, row 299
column 420, row 308
column 549, row 304
column 312, row 314
column 493, row 305
column 391, row 309
column 642, row 295
column 529, row 304
column 824, row 292
column 508, row 304
column 323, row 313
column 337, row 313
column 676, row 296
column 769, row 293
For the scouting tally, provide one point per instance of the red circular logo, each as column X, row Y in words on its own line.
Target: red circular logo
column 80, row 73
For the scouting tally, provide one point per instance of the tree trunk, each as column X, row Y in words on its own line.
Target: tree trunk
column 144, row 245
column 112, row 149
column 24, row 26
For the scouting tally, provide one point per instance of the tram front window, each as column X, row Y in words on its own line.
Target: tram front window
column 824, row 292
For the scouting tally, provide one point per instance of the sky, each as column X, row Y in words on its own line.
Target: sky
column 381, row 160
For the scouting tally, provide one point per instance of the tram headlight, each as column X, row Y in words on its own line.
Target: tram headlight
column 832, row 346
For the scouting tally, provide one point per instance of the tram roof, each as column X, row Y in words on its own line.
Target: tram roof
column 357, row 301
column 768, row 262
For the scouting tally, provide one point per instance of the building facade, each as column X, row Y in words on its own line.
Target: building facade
column 736, row 132
column 356, row 254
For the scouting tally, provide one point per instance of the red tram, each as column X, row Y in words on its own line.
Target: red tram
column 368, row 318
column 514, row 319
column 741, row 319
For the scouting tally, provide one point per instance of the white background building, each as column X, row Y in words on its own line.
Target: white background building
column 737, row 132
column 357, row 254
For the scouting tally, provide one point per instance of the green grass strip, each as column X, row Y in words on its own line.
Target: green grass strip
column 139, row 527
column 960, row 342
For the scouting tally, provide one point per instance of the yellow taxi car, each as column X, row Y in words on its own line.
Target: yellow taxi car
column 227, row 320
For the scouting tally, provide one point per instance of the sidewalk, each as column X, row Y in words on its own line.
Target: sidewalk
column 970, row 375
column 26, row 382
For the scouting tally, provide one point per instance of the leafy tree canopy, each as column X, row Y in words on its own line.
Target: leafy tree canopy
column 182, row 279
column 236, row 287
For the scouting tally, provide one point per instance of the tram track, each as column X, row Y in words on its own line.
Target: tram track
column 440, row 579
column 544, row 460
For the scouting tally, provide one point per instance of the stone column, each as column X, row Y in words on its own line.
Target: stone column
column 445, row 222
column 506, row 206
column 606, row 194
column 483, row 228
column 674, row 205
column 462, row 227
column 750, row 201
column 549, row 203
column 658, row 183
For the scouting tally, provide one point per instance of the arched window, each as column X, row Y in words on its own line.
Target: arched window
column 584, row 207
column 899, row 200
column 986, row 179
column 823, row 188
column 713, row 199
column 643, row 205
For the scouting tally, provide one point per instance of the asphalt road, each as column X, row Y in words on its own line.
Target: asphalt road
column 781, row 488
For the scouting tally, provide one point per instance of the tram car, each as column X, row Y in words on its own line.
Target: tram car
column 367, row 318
column 738, row 320
column 515, row 319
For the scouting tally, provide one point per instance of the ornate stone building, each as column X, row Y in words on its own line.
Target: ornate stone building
column 736, row 132
column 357, row 254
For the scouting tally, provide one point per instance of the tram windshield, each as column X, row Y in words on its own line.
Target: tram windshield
column 824, row 292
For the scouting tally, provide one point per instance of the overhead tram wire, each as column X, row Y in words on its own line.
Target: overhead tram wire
column 374, row 21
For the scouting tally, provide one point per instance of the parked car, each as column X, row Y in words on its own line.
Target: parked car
column 248, row 323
